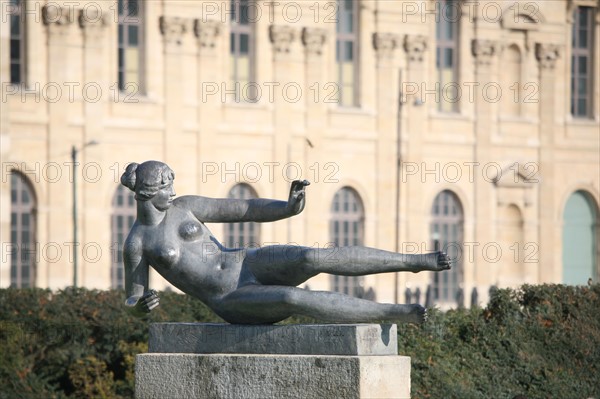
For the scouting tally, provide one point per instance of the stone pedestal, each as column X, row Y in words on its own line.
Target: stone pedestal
column 191, row 360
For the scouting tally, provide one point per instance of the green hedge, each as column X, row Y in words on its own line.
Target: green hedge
column 539, row 341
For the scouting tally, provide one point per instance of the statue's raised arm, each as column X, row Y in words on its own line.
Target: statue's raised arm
column 229, row 210
column 254, row 285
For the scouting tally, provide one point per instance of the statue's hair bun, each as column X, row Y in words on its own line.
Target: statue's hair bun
column 128, row 178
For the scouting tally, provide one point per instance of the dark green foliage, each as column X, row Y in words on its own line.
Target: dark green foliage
column 77, row 343
column 539, row 341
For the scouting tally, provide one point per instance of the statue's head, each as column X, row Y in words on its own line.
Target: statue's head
column 147, row 178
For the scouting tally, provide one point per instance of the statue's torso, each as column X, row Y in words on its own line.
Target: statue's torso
column 184, row 251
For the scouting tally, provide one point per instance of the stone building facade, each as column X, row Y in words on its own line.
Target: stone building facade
column 472, row 126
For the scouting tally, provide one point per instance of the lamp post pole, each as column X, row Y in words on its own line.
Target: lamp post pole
column 74, row 152
column 74, row 166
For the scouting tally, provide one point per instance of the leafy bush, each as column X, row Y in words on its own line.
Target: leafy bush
column 77, row 343
column 539, row 341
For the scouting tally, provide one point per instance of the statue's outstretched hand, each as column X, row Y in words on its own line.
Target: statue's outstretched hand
column 297, row 196
column 144, row 304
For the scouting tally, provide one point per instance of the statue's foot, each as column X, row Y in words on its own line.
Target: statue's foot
column 435, row 262
column 417, row 315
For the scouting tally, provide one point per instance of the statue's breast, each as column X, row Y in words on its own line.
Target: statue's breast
column 190, row 231
column 167, row 254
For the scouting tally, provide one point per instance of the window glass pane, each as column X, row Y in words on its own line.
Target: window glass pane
column 582, row 65
column 15, row 49
column 582, row 86
column 583, row 39
column 244, row 38
column 15, row 26
column 120, row 7
column 348, row 51
column 349, row 25
column 232, row 43
column 582, row 107
column 448, row 58
column 132, row 35
column 244, row 13
column 132, row 8
column 121, row 27
column 583, row 16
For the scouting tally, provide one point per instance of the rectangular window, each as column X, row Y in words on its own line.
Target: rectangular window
column 446, row 53
column 346, row 52
column 131, row 45
column 16, row 17
column 581, row 62
column 241, row 50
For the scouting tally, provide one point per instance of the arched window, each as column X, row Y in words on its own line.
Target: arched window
column 22, row 232
column 347, row 229
column 238, row 235
column 447, row 235
column 122, row 219
column 579, row 239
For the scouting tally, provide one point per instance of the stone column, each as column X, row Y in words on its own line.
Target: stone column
column 484, row 52
column 285, row 148
column 210, row 66
column 549, row 227
column 59, row 23
column 173, row 30
column 95, row 96
column 385, row 45
column 413, row 125
column 316, row 101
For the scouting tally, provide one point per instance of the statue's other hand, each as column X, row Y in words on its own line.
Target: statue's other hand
column 144, row 304
column 297, row 196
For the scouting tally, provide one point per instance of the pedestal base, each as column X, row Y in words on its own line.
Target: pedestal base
column 224, row 361
column 217, row 376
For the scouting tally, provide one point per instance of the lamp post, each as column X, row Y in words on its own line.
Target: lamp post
column 74, row 152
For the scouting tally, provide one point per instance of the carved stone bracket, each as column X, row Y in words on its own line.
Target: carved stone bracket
column 547, row 54
column 385, row 44
column 173, row 28
column 92, row 21
column 282, row 37
column 484, row 50
column 313, row 40
column 415, row 46
column 207, row 32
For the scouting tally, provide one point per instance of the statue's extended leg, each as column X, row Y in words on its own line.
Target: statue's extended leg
column 292, row 265
column 259, row 304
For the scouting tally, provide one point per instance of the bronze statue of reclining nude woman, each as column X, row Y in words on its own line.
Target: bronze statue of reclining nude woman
column 253, row 285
